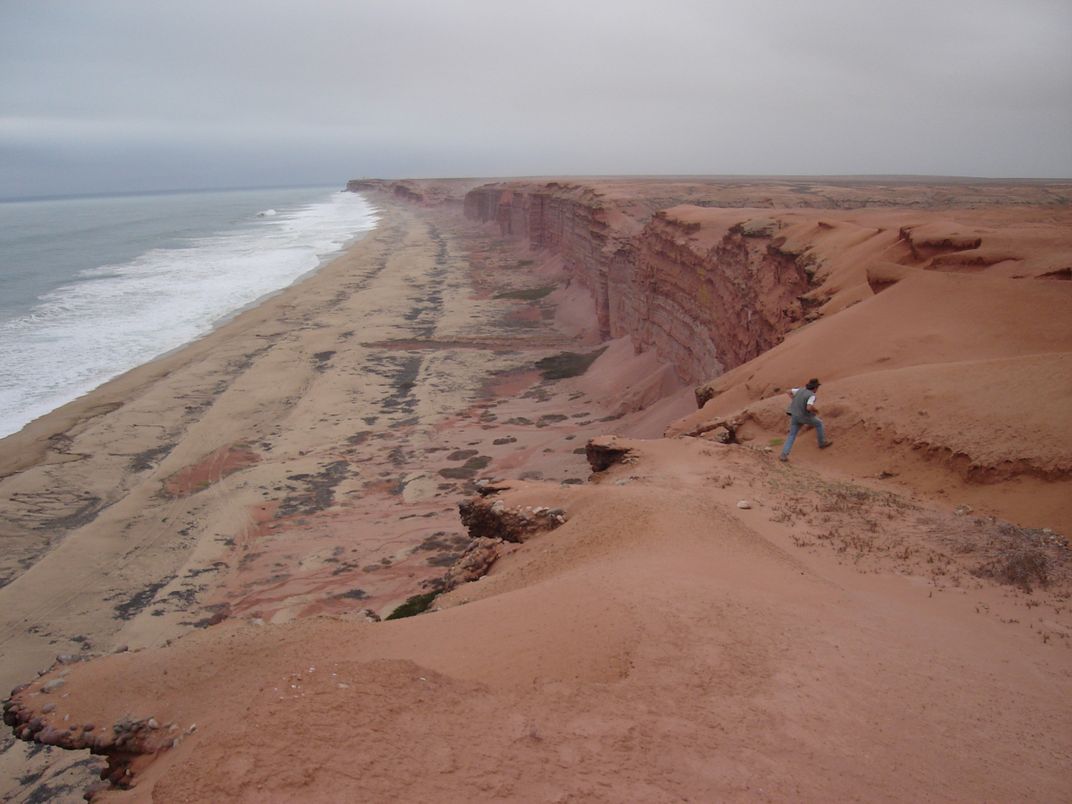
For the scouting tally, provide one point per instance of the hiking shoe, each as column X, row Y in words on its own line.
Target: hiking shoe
column 826, row 444
column 783, row 458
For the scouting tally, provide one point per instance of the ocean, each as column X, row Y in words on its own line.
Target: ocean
column 92, row 287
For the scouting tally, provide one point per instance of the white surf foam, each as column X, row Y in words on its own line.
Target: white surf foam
column 116, row 317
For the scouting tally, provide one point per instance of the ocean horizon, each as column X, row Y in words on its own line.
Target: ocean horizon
column 92, row 286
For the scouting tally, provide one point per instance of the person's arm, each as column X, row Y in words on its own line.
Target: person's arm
column 791, row 392
column 811, row 405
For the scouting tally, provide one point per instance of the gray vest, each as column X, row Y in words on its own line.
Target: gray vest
column 798, row 408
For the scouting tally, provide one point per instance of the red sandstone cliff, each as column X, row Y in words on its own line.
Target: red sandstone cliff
column 709, row 286
column 427, row 192
column 704, row 301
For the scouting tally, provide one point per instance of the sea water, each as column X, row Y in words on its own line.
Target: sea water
column 92, row 287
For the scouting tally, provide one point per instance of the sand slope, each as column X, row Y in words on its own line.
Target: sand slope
column 953, row 382
column 663, row 644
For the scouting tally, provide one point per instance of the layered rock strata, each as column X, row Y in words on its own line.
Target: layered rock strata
column 703, row 304
column 709, row 275
column 486, row 518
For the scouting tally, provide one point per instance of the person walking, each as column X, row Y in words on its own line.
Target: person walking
column 802, row 411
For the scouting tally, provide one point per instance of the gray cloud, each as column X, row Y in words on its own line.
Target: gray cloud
column 123, row 94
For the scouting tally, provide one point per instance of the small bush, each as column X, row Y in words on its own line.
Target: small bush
column 1018, row 567
column 567, row 364
column 418, row 604
column 527, row 294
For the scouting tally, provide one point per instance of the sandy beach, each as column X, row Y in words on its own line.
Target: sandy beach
column 634, row 607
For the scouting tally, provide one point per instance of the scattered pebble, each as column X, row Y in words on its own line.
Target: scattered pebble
column 744, row 504
column 54, row 684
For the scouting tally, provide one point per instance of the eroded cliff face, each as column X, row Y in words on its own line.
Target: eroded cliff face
column 704, row 298
column 427, row 192
column 708, row 304
column 709, row 274
column 568, row 220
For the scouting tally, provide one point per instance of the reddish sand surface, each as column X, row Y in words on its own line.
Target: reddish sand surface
column 636, row 600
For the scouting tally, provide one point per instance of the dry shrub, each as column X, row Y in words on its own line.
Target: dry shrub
column 845, row 498
column 1019, row 566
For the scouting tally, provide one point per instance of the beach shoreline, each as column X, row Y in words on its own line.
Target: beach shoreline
column 70, row 413
column 83, row 311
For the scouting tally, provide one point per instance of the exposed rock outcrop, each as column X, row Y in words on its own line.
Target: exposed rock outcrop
column 120, row 743
column 493, row 519
column 728, row 426
column 474, row 563
column 602, row 453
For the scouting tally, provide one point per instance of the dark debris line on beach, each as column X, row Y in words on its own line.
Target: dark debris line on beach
column 567, row 364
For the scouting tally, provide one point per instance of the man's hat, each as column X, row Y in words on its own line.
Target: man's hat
column 812, row 384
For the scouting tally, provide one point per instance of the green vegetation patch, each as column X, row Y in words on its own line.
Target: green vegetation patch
column 468, row 469
column 526, row 294
column 567, row 364
column 418, row 604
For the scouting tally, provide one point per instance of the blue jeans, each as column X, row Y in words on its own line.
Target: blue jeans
column 794, row 428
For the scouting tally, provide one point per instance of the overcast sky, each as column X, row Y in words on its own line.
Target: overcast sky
column 108, row 95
